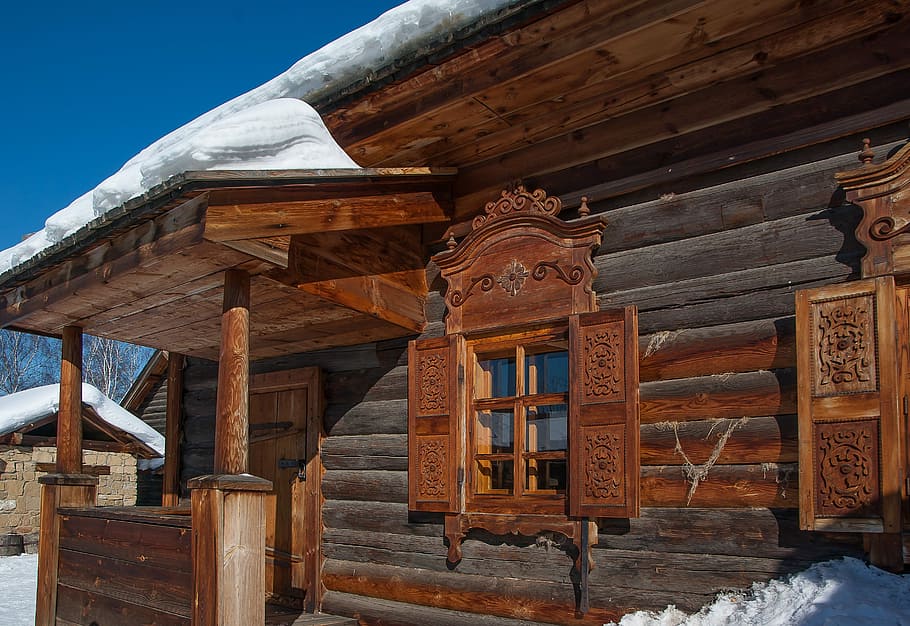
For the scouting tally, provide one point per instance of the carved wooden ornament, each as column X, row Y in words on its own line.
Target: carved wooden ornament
column 520, row 264
column 883, row 192
column 848, row 407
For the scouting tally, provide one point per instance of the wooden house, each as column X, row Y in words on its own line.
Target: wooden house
column 612, row 317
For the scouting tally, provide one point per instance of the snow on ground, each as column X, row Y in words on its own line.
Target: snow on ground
column 25, row 407
column 19, row 582
column 845, row 591
column 835, row 593
column 271, row 126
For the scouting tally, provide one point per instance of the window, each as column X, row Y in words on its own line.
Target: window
column 518, row 420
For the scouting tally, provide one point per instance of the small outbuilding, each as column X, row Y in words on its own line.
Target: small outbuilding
column 117, row 445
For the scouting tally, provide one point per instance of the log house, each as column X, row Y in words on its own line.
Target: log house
column 615, row 315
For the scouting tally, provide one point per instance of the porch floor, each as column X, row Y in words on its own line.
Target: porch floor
column 282, row 616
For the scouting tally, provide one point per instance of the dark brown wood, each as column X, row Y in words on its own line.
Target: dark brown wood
column 604, row 416
column 170, row 488
column 80, row 606
column 88, row 470
column 69, row 417
column 232, row 411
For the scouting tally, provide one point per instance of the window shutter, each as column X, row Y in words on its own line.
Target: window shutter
column 604, row 414
column 848, row 407
column 434, row 409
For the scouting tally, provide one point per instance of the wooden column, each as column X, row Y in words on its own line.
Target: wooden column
column 170, row 489
column 229, row 506
column 69, row 419
column 233, row 401
column 68, row 487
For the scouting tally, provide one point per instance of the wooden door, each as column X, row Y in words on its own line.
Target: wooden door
column 285, row 430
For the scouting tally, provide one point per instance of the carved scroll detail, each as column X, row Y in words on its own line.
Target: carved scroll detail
column 847, row 456
column 433, row 464
column 604, row 464
column 432, row 377
column 513, row 278
column 575, row 275
column 520, row 199
column 844, row 346
column 887, row 227
column 603, row 372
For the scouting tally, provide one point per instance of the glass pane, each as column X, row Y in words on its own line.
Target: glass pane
column 495, row 431
column 547, row 372
column 495, row 476
column 546, row 428
column 546, row 475
column 495, row 378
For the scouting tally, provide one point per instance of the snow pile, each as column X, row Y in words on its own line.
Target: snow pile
column 22, row 408
column 845, row 591
column 269, row 127
column 19, row 576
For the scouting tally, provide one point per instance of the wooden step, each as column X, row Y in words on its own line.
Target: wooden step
column 283, row 616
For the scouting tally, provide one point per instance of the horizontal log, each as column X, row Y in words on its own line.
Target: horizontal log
column 721, row 486
column 158, row 588
column 381, row 452
column 366, row 485
column 727, row 441
column 511, row 598
column 365, row 418
column 367, row 385
column 723, row 395
column 78, row 606
column 387, row 517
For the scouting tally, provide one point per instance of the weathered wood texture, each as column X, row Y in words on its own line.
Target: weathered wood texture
column 713, row 272
column 69, row 420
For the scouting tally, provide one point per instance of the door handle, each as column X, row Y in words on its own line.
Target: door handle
column 298, row 464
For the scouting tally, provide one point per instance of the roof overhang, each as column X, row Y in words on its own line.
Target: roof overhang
column 336, row 258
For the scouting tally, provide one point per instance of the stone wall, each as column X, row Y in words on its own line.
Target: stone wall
column 20, row 501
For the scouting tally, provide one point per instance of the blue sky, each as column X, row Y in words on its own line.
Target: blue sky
column 86, row 85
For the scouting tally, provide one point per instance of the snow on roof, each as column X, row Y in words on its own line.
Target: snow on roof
column 22, row 408
column 271, row 126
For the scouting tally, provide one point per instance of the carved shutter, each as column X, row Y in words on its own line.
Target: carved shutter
column 434, row 407
column 848, row 407
column 603, row 414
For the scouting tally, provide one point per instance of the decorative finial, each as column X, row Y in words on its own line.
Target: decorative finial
column 584, row 210
column 867, row 153
column 451, row 243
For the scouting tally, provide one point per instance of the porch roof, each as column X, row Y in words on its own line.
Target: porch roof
column 335, row 256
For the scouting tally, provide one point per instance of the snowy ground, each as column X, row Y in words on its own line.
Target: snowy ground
column 838, row 592
column 18, row 581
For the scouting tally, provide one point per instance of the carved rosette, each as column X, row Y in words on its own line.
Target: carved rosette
column 603, row 354
column 432, row 461
column 432, row 377
column 847, row 457
column 513, row 278
column 604, row 464
column 844, row 346
column 517, row 200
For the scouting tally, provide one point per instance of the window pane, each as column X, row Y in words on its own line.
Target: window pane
column 547, row 372
column 495, row 431
column 546, row 428
column 546, row 475
column 494, row 476
column 495, row 378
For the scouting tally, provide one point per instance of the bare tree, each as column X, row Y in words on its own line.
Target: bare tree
column 27, row 361
column 112, row 365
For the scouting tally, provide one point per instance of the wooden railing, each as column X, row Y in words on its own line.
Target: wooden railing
column 125, row 565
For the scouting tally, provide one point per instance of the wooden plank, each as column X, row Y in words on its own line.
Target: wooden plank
column 232, row 407
column 767, row 485
column 78, row 606
column 157, row 545
column 159, row 588
column 69, row 416
column 208, row 519
column 88, row 470
column 170, row 488
column 241, row 587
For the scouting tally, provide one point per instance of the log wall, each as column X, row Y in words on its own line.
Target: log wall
column 713, row 270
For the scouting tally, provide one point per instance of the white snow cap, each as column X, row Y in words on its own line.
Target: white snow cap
column 269, row 127
column 22, row 408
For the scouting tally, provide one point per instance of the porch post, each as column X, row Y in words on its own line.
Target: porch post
column 170, row 489
column 229, row 506
column 68, row 487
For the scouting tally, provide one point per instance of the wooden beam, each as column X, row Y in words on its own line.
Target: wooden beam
column 170, row 489
column 88, row 470
column 232, row 402
column 269, row 219
column 69, row 420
